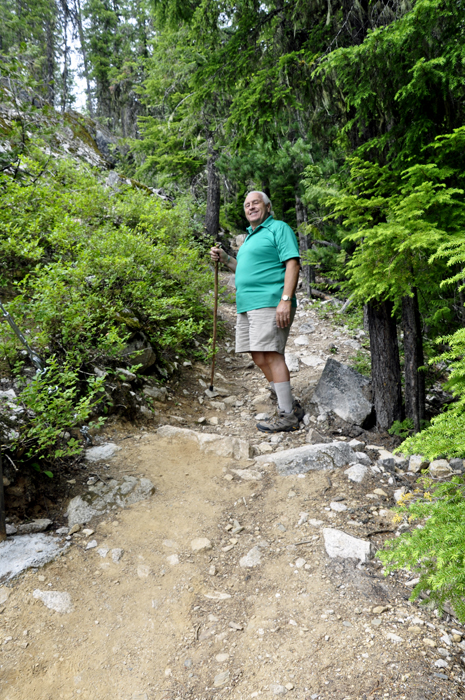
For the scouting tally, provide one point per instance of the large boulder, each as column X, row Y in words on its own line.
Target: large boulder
column 343, row 391
column 310, row 458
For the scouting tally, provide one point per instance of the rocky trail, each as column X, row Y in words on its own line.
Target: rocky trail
column 246, row 570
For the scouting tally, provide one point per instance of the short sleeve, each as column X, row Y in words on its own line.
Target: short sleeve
column 286, row 243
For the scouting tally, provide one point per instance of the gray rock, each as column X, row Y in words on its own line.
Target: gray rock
column 292, row 362
column 456, row 464
column 356, row 473
column 10, row 529
column 417, row 463
column 301, row 340
column 55, row 600
column 356, row 444
column 315, row 438
column 344, row 391
column 139, row 352
column 159, row 393
column 130, row 376
column 201, row 544
column 116, row 554
column 307, row 328
column 101, row 452
column 440, row 468
column 39, row 525
column 310, row 457
column 339, row 544
column 102, row 497
column 251, row 559
column 362, row 458
column 337, row 506
column 20, row 553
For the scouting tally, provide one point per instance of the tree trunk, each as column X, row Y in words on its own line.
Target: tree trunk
column 2, row 505
column 78, row 20
column 50, row 63
column 385, row 364
column 413, row 351
column 305, row 244
column 212, row 216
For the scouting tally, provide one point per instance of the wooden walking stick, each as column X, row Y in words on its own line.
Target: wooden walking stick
column 2, row 505
column 215, row 315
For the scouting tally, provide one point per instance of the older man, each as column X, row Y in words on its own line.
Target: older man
column 267, row 270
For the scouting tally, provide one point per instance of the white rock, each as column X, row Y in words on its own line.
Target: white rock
column 213, row 421
column 394, row 637
column 440, row 468
column 344, row 391
column 339, row 544
column 55, row 600
column 417, row 463
column 201, row 544
column 292, row 362
column 92, row 544
column 251, row 559
column 264, row 448
column 262, row 416
column 300, row 562
column 248, row 474
column 441, row 663
column 315, row 523
column 20, row 553
column 312, row 360
column 217, row 595
column 356, row 473
column 220, row 405
column 95, row 454
column 310, row 457
column 209, row 442
column 398, row 493
column 102, row 551
column 172, row 559
column 301, row 340
column 303, row 518
column 221, row 679
column 337, row 506
column 277, row 689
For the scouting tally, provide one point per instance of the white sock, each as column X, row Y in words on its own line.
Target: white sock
column 284, row 394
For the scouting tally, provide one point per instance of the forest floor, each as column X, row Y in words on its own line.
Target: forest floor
column 166, row 622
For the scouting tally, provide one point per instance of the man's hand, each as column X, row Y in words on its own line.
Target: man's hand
column 218, row 254
column 283, row 314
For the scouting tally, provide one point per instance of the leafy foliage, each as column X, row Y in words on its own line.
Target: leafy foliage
column 434, row 549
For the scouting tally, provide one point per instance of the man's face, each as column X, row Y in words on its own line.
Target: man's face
column 256, row 211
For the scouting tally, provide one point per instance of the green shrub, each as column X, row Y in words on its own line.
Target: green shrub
column 433, row 550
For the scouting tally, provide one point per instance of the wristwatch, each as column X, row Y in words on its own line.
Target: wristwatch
column 286, row 297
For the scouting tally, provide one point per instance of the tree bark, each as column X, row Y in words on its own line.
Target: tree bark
column 50, row 63
column 2, row 505
column 413, row 351
column 305, row 244
column 385, row 364
column 212, row 216
column 78, row 20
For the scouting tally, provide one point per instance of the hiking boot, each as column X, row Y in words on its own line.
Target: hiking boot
column 283, row 423
column 298, row 410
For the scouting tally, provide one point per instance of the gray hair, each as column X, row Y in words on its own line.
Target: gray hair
column 266, row 200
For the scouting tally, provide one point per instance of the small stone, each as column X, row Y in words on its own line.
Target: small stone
column 315, row 523
column 315, row 438
column 55, row 600
column 440, row 663
column 264, row 448
column 212, row 570
column 221, row 658
column 102, row 551
column 143, row 571
column 74, row 529
column 339, row 544
column 399, row 493
column 213, row 421
column 221, row 679
column 235, row 626
column 87, row 532
column 303, row 519
column 262, row 416
column 228, row 477
column 394, row 637
column 277, row 689
column 300, row 562
column 92, row 544
column 376, row 622
column 417, row 463
column 440, row 468
column 337, row 507
column 380, row 492
column 356, row 444
column 290, row 686
column 281, row 527
column 251, row 559
column 414, row 630
column 248, row 474
column 172, row 559
column 201, row 544
column 429, row 642
column 362, row 458
column 116, row 554
column 379, row 609
column 356, row 473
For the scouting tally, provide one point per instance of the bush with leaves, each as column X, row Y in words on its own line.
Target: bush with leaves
column 433, row 551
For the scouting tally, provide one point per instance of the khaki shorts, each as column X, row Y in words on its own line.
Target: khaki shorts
column 257, row 331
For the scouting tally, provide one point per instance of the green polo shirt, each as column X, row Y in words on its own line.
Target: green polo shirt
column 260, row 265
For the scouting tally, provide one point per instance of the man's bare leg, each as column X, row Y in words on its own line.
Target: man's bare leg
column 274, row 368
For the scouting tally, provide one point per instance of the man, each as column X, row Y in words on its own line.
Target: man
column 267, row 271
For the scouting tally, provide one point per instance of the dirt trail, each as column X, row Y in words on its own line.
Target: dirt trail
column 165, row 622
